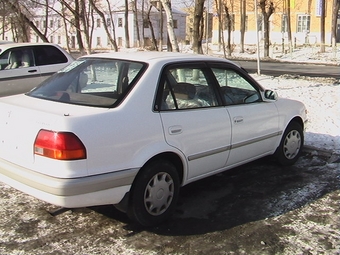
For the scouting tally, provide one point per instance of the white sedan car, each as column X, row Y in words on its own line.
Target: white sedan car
column 24, row 65
column 130, row 129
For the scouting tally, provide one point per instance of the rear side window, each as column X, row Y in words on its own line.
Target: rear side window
column 48, row 55
column 185, row 87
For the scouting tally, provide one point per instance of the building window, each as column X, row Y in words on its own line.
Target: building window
column 98, row 22
column 98, row 41
column 59, row 23
column 145, row 23
column 59, row 39
column 44, row 24
column 51, row 39
column 120, row 22
column 175, row 23
column 303, row 24
column 51, row 23
column 108, row 22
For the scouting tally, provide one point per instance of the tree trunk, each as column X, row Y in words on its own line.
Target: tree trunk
column 267, row 9
column 336, row 8
column 77, row 25
column 26, row 19
column 170, row 25
column 198, row 17
column 126, row 25
column 322, row 24
column 114, row 43
column 135, row 10
column 102, row 16
column 289, row 28
column 153, row 39
column 243, row 23
column 229, row 23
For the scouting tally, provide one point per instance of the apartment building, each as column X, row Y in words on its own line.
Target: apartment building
column 305, row 16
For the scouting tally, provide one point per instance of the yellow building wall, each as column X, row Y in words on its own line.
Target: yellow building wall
column 297, row 7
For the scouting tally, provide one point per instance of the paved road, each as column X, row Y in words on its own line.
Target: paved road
column 279, row 68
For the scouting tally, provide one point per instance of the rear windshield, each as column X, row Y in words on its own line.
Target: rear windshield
column 92, row 82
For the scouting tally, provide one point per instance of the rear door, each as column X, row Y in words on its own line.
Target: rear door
column 49, row 59
column 194, row 120
column 18, row 72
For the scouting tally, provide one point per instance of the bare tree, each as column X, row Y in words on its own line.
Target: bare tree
column 105, row 24
column 153, row 38
column 322, row 26
column 197, row 27
column 126, row 25
column 336, row 9
column 14, row 6
column 229, row 22
column 267, row 9
column 136, row 15
column 218, row 4
column 170, row 25
column 243, row 22
column 113, row 26
column 289, row 27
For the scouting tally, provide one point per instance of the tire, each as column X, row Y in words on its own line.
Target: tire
column 154, row 193
column 291, row 145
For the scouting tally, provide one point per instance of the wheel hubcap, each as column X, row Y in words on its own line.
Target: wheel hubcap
column 292, row 144
column 159, row 193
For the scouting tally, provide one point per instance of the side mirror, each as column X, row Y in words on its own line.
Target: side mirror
column 270, row 95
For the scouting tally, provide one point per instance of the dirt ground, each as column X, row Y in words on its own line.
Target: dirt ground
column 259, row 208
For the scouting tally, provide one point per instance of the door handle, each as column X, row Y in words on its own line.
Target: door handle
column 32, row 71
column 238, row 119
column 175, row 130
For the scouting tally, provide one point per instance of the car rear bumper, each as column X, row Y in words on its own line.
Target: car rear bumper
column 73, row 192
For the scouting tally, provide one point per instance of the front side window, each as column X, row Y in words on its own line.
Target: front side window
column 235, row 88
column 16, row 58
column 185, row 88
column 93, row 82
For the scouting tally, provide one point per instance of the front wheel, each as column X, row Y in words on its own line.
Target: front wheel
column 291, row 145
column 154, row 193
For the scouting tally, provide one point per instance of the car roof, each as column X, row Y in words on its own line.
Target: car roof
column 10, row 45
column 156, row 56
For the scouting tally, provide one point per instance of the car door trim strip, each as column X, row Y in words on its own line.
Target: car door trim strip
column 255, row 140
column 209, row 153
column 233, row 146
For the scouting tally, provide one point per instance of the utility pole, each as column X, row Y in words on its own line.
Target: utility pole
column 257, row 40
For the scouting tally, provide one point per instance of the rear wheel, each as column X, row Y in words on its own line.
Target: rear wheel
column 291, row 144
column 154, row 193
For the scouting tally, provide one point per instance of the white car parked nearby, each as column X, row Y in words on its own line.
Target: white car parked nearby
column 130, row 129
column 23, row 66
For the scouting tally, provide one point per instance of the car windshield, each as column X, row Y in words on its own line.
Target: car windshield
column 92, row 82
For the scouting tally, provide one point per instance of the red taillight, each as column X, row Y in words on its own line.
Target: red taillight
column 59, row 145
